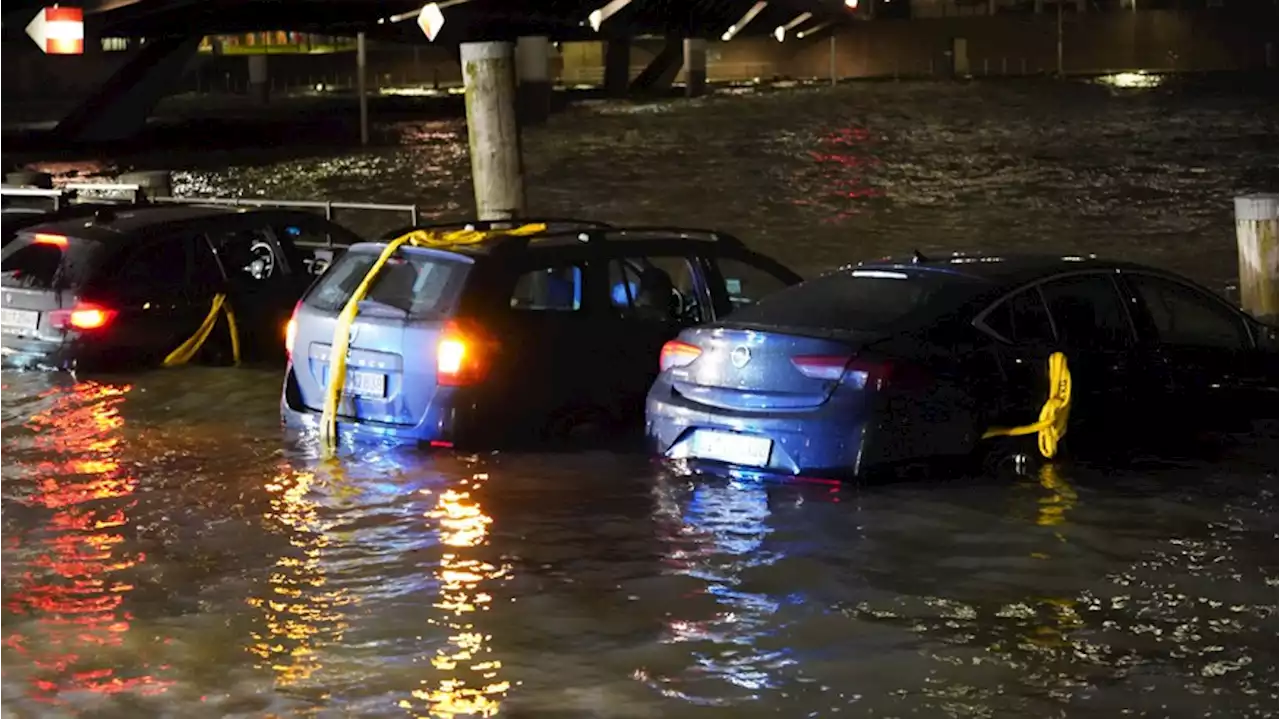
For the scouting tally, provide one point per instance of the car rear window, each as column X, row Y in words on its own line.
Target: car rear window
column 419, row 284
column 45, row 261
column 856, row 300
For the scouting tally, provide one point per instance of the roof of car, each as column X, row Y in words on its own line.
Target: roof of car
column 125, row 219
column 1001, row 268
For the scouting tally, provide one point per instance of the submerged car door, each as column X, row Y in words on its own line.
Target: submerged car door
column 652, row 296
column 260, row 284
column 1025, row 338
column 1113, row 379
column 159, row 307
column 1217, row 377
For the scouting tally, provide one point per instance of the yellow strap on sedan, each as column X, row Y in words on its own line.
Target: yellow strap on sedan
column 188, row 349
column 342, row 328
column 1052, row 425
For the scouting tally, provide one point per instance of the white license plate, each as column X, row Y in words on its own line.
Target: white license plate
column 732, row 448
column 19, row 320
column 366, row 384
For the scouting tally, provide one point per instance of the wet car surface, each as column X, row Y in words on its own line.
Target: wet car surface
column 166, row 553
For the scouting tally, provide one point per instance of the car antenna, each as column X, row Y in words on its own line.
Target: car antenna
column 917, row 257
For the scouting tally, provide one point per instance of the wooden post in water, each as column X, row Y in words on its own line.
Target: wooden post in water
column 1256, row 228
column 361, row 89
column 497, row 172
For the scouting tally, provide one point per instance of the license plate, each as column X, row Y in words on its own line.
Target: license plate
column 19, row 320
column 365, row 384
column 732, row 448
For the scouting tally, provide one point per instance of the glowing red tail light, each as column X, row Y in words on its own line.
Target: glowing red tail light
column 291, row 331
column 47, row 239
column 677, row 354
column 464, row 354
column 85, row 316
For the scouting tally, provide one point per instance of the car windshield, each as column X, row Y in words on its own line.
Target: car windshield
column 858, row 300
column 419, row 284
column 44, row 261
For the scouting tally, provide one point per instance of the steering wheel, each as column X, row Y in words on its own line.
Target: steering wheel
column 263, row 265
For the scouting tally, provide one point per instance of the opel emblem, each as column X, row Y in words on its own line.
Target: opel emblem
column 740, row 357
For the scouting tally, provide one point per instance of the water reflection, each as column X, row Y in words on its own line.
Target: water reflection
column 75, row 630
column 301, row 612
column 469, row 679
column 716, row 531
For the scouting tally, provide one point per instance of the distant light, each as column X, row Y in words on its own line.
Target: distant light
column 851, row 4
column 597, row 17
column 728, row 34
column 780, row 33
column 742, row 22
column 594, row 19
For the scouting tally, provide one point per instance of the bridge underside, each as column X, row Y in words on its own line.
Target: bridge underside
column 120, row 106
column 467, row 20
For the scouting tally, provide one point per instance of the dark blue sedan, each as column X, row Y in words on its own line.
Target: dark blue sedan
column 893, row 362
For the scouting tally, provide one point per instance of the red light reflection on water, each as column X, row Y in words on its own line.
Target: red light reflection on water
column 73, row 589
column 843, row 161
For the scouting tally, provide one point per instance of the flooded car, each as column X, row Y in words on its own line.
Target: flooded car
column 541, row 335
column 125, row 286
column 891, row 362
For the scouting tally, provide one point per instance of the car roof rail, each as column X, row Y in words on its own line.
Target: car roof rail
column 329, row 208
column 626, row 232
column 555, row 225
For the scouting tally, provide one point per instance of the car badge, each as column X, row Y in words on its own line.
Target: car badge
column 740, row 357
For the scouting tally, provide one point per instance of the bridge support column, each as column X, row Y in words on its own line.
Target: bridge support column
column 259, row 83
column 497, row 172
column 533, row 60
column 695, row 67
column 617, row 66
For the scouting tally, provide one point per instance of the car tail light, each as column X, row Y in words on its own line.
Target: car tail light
column 857, row 372
column 677, row 354
column 291, row 331
column 55, row 240
column 83, row 316
column 463, row 355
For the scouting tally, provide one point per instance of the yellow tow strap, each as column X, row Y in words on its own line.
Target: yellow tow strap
column 1052, row 426
column 342, row 328
column 188, row 349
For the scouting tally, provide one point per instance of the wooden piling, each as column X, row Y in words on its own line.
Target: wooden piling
column 497, row 172
column 1256, row 229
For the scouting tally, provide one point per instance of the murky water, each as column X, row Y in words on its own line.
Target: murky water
column 166, row 553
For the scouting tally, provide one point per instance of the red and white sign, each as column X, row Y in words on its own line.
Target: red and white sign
column 58, row 30
column 431, row 19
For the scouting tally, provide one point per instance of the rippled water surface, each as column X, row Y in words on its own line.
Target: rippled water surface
column 166, row 553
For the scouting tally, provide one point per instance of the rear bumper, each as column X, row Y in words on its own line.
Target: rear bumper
column 36, row 353
column 824, row 441
column 450, row 417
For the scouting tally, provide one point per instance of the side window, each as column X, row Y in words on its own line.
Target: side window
column 1021, row 318
column 205, row 269
column 162, row 262
column 555, row 289
column 247, row 254
column 1182, row 315
column 1088, row 312
column 744, row 283
column 660, row 289
column 307, row 239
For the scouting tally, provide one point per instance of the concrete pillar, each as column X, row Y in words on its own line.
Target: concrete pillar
column 1256, row 245
column 497, row 172
column 617, row 66
column 259, row 83
column 695, row 66
column 533, row 60
column 362, row 88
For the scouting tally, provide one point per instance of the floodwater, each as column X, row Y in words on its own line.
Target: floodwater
column 167, row 553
